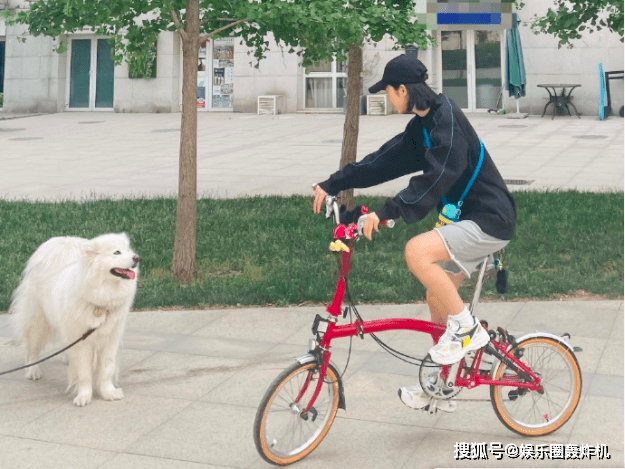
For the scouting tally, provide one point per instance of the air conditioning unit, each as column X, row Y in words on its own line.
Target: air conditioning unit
column 271, row 104
column 377, row 105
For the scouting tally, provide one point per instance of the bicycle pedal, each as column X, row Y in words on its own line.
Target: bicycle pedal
column 431, row 408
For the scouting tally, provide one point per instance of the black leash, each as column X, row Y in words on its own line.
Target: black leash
column 84, row 336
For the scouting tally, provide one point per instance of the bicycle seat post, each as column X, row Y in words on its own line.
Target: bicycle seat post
column 478, row 286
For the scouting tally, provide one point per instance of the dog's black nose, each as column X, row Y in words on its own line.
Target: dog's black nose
column 136, row 258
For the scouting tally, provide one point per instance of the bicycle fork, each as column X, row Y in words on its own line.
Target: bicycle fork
column 322, row 359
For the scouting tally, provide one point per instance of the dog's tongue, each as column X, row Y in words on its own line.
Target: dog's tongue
column 127, row 273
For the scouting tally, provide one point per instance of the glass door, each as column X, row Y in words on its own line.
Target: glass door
column 488, row 68
column 104, row 80
column 472, row 67
column 80, row 74
column 91, row 72
column 455, row 71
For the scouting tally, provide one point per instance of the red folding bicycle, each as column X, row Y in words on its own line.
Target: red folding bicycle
column 535, row 380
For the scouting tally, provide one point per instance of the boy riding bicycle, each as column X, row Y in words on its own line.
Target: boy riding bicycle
column 458, row 174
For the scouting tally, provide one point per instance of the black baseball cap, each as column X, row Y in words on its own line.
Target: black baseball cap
column 403, row 70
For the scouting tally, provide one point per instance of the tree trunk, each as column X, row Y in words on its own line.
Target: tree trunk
column 186, row 212
column 352, row 118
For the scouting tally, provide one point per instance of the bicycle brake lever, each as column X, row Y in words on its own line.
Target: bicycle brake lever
column 330, row 207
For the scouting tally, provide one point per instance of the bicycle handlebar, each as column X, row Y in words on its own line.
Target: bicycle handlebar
column 345, row 217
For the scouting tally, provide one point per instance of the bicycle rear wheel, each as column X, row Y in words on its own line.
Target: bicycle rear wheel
column 533, row 413
column 282, row 434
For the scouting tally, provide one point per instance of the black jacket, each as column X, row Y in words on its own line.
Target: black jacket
column 447, row 168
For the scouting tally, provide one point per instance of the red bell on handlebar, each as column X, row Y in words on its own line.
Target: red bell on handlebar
column 339, row 232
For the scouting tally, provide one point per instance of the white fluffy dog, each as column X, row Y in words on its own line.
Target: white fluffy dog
column 69, row 286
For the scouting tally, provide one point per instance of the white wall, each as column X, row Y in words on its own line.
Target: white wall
column 160, row 94
column 34, row 79
column 278, row 74
column 545, row 63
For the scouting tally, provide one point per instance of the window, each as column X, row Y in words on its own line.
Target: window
column 325, row 85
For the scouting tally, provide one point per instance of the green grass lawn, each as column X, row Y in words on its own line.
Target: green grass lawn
column 273, row 250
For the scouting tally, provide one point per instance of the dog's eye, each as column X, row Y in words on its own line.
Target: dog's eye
column 117, row 253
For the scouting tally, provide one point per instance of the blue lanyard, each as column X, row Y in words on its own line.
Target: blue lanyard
column 428, row 144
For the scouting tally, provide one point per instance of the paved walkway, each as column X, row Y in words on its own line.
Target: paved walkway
column 77, row 155
column 193, row 379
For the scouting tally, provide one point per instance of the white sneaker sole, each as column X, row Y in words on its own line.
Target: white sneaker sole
column 446, row 406
column 479, row 341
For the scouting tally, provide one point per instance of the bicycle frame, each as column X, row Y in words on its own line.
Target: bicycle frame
column 466, row 376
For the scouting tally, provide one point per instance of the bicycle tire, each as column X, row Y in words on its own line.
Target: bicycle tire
column 266, row 440
column 540, row 353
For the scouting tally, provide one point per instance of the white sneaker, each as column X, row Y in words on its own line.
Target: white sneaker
column 415, row 398
column 457, row 341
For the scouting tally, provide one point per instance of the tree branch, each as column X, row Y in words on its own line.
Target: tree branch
column 204, row 37
column 179, row 27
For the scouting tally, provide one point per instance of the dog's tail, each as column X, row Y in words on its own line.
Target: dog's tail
column 23, row 308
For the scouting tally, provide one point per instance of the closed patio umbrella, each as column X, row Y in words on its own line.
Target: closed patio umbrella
column 515, row 69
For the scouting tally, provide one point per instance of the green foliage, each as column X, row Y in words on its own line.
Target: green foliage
column 316, row 29
column 570, row 18
column 274, row 250
column 1, row 99
column 325, row 29
column 142, row 63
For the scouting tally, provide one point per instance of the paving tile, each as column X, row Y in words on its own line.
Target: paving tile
column 606, row 385
column 134, row 461
column 618, row 327
column 579, row 318
column 22, row 402
column 599, row 421
column 259, row 323
column 178, row 376
column 222, row 435
column 612, row 358
column 615, row 460
column 119, row 423
column 438, row 449
column 217, row 347
column 22, row 453
column 362, row 444
column 372, row 397
column 172, row 322
column 146, row 340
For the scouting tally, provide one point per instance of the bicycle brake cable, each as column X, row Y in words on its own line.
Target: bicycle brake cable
column 396, row 353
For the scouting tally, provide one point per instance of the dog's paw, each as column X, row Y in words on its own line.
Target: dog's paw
column 34, row 372
column 112, row 393
column 82, row 399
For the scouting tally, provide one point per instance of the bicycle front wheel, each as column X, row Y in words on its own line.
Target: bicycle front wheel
column 282, row 433
column 537, row 413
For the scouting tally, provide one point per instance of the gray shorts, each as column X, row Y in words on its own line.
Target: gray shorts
column 467, row 245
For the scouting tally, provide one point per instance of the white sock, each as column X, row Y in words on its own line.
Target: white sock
column 464, row 318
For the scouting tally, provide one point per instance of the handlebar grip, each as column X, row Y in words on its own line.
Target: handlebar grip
column 361, row 223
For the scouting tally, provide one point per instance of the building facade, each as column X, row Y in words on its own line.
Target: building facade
column 467, row 65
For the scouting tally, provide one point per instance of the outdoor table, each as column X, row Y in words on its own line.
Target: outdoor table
column 559, row 99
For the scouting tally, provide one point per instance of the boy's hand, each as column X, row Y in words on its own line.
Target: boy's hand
column 320, row 199
column 371, row 223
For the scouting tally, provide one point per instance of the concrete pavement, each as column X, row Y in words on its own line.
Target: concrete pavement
column 78, row 155
column 193, row 379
